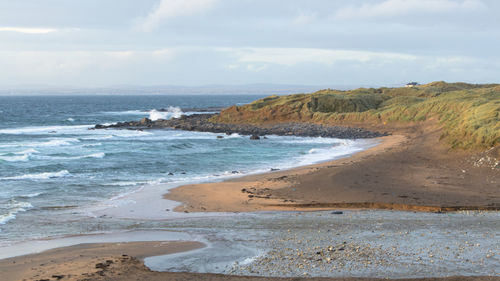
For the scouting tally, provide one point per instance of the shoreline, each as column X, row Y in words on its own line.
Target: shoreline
column 87, row 261
column 97, row 266
column 443, row 182
column 191, row 196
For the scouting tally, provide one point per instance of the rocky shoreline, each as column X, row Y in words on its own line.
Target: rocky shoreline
column 201, row 123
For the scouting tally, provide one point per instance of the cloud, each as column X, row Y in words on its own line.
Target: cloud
column 391, row 8
column 294, row 56
column 28, row 30
column 169, row 9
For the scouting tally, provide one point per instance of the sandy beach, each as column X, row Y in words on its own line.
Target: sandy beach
column 86, row 261
column 411, row 171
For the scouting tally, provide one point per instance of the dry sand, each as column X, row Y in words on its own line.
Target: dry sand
column 414, row 172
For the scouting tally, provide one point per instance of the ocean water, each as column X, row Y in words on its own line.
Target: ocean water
column 53, row 168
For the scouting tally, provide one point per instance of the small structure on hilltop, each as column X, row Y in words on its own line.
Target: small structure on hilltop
column 412, row 84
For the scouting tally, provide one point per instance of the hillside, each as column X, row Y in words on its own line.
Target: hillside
column 467, row 114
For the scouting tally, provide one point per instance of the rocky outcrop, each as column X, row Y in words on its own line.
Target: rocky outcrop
column 201, row 123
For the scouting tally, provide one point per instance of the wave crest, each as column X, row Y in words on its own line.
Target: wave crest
column 172, row 112
column 13, row 208
column 40, row 176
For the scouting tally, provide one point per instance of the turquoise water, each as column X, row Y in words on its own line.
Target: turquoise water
column 52, row 167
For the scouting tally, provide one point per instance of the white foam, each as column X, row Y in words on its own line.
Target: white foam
column 31, row 195
column 172, row 112
column 27, row 151
column 98, row 137
column 310, row 140
column 40, row 176
column 342, row 149
column 45, row 129
column 125, row 183
column 13, row 208
column 233, row 136
column 49, row 143
column 70, row 119
column 127, row 112
column 94, row 155
column 18, row 156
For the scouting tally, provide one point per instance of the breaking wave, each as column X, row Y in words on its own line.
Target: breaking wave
column 172, row 112
column 18, row 156
column 40, row 176
column 13, row 208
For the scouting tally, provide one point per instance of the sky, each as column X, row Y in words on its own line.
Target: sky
column 99, row 43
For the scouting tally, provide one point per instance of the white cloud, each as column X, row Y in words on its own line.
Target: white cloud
column 390, row 8
column 293, row 56
column 29, row 30
column 169, row 9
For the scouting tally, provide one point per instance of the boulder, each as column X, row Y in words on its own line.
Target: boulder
column 145, row 121
column 254, row 137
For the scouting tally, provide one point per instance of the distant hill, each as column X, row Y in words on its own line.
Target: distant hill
column 467, row 113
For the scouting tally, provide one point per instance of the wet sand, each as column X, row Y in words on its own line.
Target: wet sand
column 86, row 261
column 414, row 171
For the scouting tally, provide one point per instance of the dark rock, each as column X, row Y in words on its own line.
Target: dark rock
column 274, row 169
column 220, row 137
column 337, row 213
column 254, row 137
column 235, row 172
column 170, row 174
column 101, row 265
column 201, row 123
column 145, row 121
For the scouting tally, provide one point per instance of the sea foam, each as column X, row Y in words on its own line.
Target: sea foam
column 45, row 130
column 40, row 176
column 172, row 112
column 13, row 208
column 18, row 156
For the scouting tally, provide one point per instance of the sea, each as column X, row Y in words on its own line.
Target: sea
column 56, row 170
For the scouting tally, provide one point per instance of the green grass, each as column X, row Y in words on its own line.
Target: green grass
column 468, row 113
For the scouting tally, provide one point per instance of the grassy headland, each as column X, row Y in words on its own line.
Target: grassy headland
column 468, row 114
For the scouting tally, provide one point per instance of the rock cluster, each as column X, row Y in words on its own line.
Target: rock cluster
column 201, row 123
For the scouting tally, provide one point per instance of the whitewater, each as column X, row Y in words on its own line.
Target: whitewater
column 58, row 175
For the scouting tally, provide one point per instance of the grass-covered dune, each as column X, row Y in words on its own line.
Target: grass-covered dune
column 467, row 113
